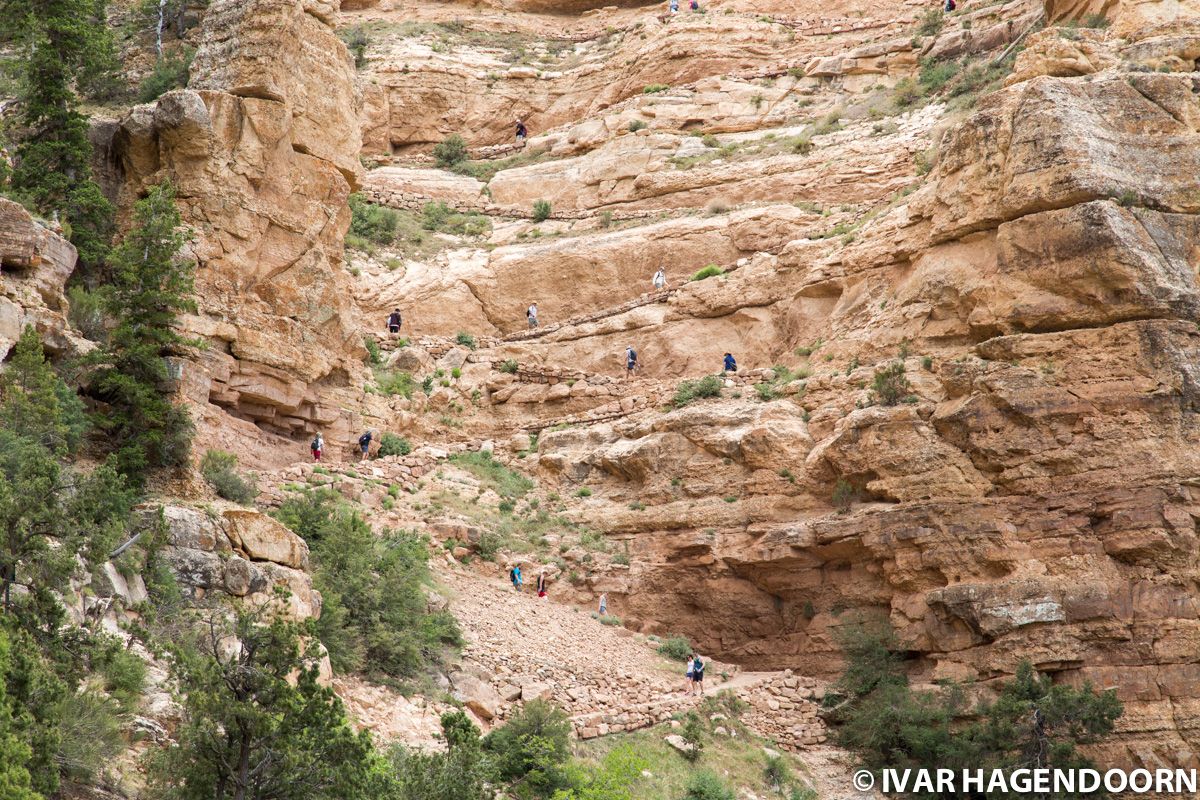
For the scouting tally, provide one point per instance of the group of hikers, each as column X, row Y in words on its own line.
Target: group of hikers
column 659, row 281
column 518, row 580
column 673, row 5
column 317, row 446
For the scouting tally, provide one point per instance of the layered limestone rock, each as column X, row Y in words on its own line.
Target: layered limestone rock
column 424, row 89
column 262, row 150
column 35, row 264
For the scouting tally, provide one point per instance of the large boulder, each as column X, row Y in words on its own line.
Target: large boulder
column 475, row 694
column 263, row 538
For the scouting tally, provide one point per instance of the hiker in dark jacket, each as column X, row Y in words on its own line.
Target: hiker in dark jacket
column 394, row 321
column 522, row 131
column 364, row 442
column 730, row 364
column 698, row 674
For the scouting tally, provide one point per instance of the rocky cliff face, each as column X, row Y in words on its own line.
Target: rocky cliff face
column 1023, row 252
column 1030, row 495
column 263, row 150
column 35, row 264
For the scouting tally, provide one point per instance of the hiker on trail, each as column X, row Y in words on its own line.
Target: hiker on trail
column 687, row 674
column 694, row 5
column 603, row 604
column 394, row 321
column 950, row 6
column 541, row 584
column 698, row 674
column 660, row 279
column 674, row 5
column 364, row 443
column 514, row 575
column 730, row 364
column 631, row 361
column 531, row 316
column 317, row 446
column 522, row 131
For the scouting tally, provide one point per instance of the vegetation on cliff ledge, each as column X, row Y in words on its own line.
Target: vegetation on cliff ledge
column 1033, row 721
column 375, row 618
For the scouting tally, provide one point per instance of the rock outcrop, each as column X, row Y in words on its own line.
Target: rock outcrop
column 263, row 152
column 35, row 264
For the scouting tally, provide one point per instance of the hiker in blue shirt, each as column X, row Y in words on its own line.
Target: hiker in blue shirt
column 631, row 361
column 515, row 575
column 730, row 364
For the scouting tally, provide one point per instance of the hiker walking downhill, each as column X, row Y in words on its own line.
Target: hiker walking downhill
column 514, row 575
column 698, row 674
column 394, row 321
column 364, row 443
column 531, row 316
column 631, row 361
column 687, row 674
column 522, row 132
column 660, row 279
column 730, row 364
column 317, row 446
column 603, row 604
column 674, row 6
column 541, row 584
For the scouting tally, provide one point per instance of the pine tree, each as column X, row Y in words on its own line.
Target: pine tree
column 15, row 753
column 48, row 513
column 251, row 734
column 36, row 404
column 63, row 41
column 150, row 286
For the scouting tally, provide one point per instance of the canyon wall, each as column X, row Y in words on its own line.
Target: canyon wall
column 262, row 149
column 1032, row 495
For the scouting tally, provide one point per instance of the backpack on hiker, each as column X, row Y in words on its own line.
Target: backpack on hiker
column 316, row 444
column 365, row 440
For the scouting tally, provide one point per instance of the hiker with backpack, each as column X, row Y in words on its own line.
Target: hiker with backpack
column 631, row 361
column 394, row 321
column 730, row 364
column 514, row 575
column 660, row 279
column 603, row 604
column 531, row 316
column 364, row 443
column 687, row 674
column 522, row 131
column 698, row 674
column 317, row 446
